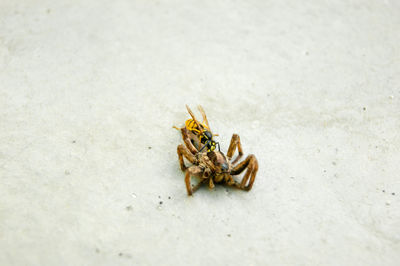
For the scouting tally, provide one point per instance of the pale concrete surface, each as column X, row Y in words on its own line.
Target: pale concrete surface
column 87, row 87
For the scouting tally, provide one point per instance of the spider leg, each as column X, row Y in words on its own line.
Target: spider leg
column 252, row 167
column 193, row 171
column 185, row 152
column 211, row 183
column 196, row 187
column 188, row 140
column 193, row 117
column 235, row 142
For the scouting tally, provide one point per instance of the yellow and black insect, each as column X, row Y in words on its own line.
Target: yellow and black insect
column 201, row 130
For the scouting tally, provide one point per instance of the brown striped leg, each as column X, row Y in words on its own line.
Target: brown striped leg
column 184, row 152
column 192, row 171
column 235, row 142
column 196, row 187
column 252, row 167
column 211, row 183
column 187, row 140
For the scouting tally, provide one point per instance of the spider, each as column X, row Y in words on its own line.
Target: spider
column 214, row 166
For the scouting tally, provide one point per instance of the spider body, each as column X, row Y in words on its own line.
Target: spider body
column 215, row 167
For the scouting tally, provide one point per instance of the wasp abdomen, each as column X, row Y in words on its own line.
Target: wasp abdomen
column 191, row 125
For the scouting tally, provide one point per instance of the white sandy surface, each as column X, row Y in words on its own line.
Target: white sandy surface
column 87, row 87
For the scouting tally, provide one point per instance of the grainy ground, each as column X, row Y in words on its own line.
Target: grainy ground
column 88, row 166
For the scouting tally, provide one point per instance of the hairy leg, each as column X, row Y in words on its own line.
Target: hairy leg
column 192, row 115
column 252, row 167
column 196, row 187
column 235, row 142
column 188, row 140
column 211, row 183
column 184, row 152
column 192, row 171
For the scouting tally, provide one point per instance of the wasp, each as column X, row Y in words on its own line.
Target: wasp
column 200, row 130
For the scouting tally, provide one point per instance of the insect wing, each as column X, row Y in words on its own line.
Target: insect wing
column 204, row 116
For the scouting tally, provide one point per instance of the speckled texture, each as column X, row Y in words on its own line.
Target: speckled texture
column 89, row 91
